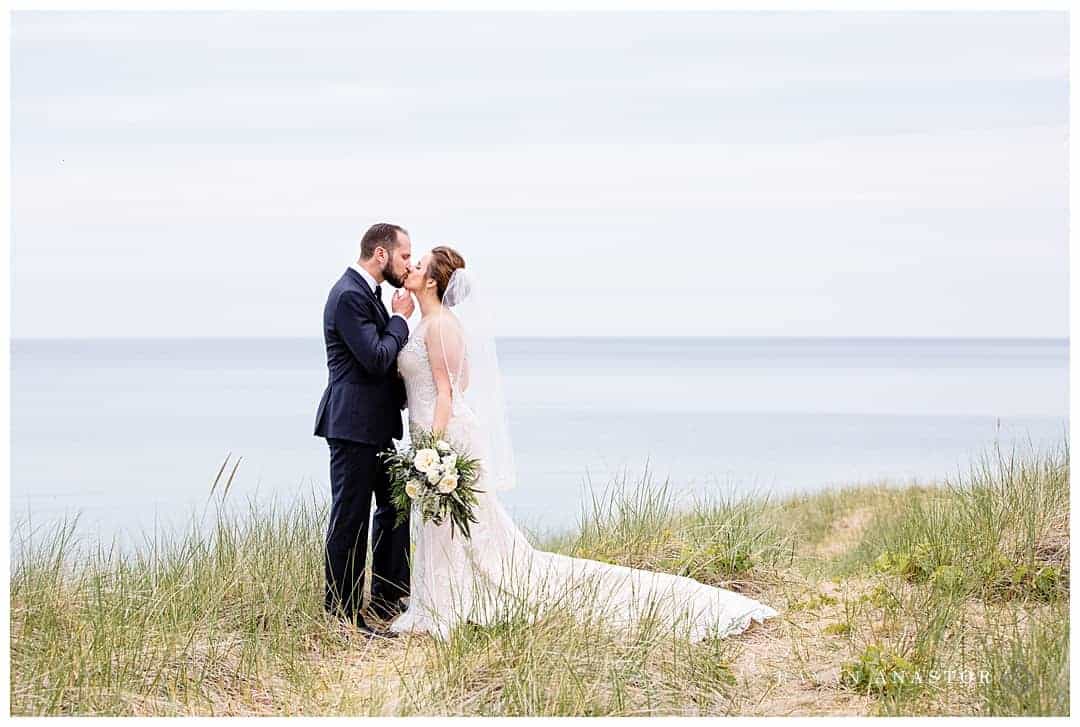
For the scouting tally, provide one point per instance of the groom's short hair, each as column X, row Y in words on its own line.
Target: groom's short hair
column 383, row 235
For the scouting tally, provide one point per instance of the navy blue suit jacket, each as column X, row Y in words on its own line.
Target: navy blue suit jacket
column 364, row 396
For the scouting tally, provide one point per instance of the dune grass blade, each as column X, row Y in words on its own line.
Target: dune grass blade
column 226, row 617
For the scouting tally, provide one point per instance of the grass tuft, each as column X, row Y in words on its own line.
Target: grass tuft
column 926, row 600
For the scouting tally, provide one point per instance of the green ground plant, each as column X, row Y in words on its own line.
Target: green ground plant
column 881, row 589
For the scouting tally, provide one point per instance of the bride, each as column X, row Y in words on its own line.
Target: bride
column 454, row 387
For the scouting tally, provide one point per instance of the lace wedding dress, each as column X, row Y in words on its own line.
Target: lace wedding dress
column 497, row 574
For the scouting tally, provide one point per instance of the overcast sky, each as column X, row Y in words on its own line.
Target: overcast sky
column 795, row 174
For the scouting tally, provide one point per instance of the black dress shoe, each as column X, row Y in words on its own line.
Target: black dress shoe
column 371, row 633
column 356, row 623
column 385, row 611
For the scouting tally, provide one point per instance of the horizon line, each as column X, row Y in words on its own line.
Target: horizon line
column 564, row 337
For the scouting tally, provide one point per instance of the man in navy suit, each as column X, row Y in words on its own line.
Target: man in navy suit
column 360, row 416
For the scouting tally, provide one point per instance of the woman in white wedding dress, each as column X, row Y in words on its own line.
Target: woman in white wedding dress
column 453, row 384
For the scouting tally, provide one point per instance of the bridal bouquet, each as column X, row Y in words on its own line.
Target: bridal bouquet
column 436, row 478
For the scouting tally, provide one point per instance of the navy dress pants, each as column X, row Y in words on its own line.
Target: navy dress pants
column 357, row 473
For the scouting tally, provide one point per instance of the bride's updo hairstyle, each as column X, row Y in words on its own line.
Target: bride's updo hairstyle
column 444, row 261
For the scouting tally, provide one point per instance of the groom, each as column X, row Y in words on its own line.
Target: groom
column 360, row 415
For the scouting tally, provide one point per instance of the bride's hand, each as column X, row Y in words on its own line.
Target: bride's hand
column 403, row 303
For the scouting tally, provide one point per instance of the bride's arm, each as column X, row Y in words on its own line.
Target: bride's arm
column 444, row 399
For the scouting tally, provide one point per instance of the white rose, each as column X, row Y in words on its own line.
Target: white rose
column 447, row 484
column 434, row 474
column 449, row 461
column 424, row 459
column 412, row 488
column 442, row 446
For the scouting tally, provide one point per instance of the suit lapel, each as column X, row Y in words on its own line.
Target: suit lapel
column 379, row 304
column 384, row 316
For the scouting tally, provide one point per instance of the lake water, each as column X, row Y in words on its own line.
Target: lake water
column 130, row 433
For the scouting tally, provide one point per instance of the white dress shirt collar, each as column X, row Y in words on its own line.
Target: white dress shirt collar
column 371, row 284
column 365, row 275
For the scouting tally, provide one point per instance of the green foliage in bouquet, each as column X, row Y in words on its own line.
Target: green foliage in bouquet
column 438, row 478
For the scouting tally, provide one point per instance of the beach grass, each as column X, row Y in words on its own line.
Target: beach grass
column 946, row 598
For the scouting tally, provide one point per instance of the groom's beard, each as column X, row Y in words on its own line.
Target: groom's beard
column 391, row 277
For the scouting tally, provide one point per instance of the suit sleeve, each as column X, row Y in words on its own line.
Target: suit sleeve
column 355, row 320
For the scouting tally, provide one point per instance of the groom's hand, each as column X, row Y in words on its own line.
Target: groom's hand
column 403, row 303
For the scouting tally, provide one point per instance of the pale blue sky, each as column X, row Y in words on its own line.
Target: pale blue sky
column 623, row 174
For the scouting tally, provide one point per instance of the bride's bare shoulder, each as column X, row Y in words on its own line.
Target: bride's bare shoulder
column 442, row 322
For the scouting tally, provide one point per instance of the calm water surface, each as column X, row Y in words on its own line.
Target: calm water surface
column 130, row 433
